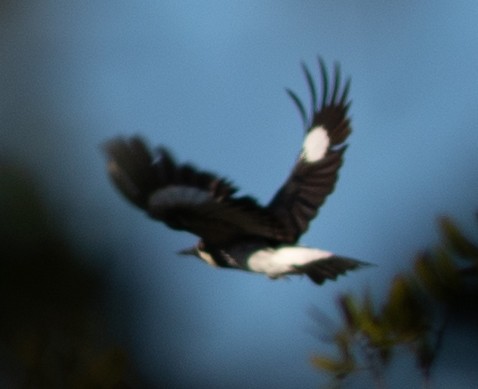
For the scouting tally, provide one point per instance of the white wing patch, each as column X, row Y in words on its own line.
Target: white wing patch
column 179, row 195
column 316, row 144
column 279, row 262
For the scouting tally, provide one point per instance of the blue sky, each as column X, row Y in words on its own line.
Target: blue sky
column 207, row 79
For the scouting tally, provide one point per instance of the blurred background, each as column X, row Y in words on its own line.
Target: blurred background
column 90, row 281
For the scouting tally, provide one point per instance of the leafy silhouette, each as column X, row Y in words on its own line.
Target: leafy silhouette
column 415, row 314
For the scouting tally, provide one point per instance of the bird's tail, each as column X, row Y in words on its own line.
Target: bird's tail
column 330, row 268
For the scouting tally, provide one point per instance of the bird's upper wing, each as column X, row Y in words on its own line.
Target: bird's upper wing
column 315, row 173
column 183, row 197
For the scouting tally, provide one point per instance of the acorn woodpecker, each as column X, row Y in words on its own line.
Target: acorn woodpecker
column 235, row 231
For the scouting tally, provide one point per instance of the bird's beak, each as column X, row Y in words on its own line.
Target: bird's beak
column 189, row 251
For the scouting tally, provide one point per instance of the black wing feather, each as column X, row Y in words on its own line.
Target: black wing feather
column 183, row 197
column 330, row 268
column 296, row 203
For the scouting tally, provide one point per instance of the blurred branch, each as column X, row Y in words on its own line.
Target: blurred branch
column 415, row 315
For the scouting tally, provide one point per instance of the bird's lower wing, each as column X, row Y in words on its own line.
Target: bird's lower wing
column 329, row 269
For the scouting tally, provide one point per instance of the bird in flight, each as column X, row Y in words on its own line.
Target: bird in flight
column 236, row 231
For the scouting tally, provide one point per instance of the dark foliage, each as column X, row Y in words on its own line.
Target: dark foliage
column 54, row 328
column 415, row 315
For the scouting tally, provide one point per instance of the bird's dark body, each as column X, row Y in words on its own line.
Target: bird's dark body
column 236, row 231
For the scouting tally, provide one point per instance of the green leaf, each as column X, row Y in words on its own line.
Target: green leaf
column 370, row 324
column 349, row 309
column 344, row 341
column 338, row 368
column 457, row 241
column 448, row 272
column 403, row 311
column 428, row 277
